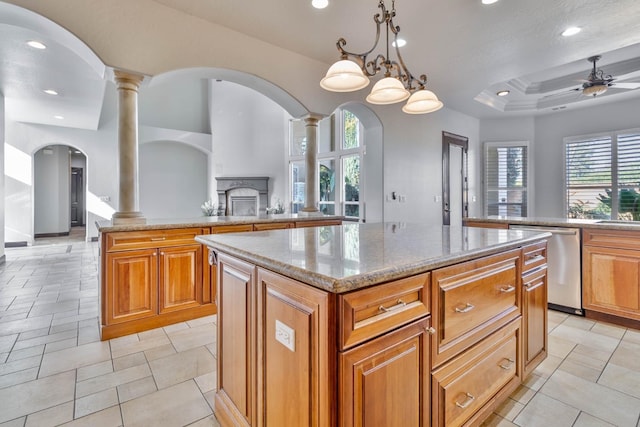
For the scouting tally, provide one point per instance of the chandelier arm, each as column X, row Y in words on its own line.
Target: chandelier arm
column 405, row 75
column 361, row 58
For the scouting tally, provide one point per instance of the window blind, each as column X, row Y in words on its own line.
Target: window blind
column 506, row 179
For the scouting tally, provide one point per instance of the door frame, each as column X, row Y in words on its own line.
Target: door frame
column 449, row 139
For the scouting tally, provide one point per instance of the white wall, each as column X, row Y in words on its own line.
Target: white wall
column 51, row 190
column 2, row 256
column 546, row 134
column 173, row 180
column 249, row 134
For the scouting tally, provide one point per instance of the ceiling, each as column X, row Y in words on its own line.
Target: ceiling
column 469, row 51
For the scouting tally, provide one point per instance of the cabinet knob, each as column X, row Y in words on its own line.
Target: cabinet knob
column 431, row 330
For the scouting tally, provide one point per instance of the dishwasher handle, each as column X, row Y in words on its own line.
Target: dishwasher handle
column 559, row 231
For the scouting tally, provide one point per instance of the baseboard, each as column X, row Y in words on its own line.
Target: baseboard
column 64, row 233
column 15, row 244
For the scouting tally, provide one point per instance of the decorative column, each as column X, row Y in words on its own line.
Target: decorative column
column 311, row 160
column 128, row 209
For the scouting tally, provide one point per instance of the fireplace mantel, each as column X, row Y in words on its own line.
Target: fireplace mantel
column 258, row 183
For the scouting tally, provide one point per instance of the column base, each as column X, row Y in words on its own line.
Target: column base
column 125, row 218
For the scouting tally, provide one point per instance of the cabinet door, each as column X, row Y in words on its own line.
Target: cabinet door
column 295, row 385
column 385, row 382
column 534, row 310
column 180, row 277
column 235, row 401
column 131, row 280
column 611, row 281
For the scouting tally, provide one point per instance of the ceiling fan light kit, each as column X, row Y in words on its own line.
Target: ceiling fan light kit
column 353, row 70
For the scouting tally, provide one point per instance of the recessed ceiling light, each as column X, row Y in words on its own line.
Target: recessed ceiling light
column 400, row 43
column 36, row 44
column 59, row 117
column 489, row 1
column 571, row 31
column 50, row 92
column 503, row 93
column 320, row 4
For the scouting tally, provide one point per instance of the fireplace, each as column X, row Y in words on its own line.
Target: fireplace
column 242, row 196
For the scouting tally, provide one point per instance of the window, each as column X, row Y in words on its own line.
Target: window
column 340, row 158
column 506, row 177
column 603, row 176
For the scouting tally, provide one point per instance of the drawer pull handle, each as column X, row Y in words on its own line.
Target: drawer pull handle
column 534, row 258
column 507, row 365
column 467, row 308
column 157, row 239
column 469, row 399
column 507, row 289
column 398, row 306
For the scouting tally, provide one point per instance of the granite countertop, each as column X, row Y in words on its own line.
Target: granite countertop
column 353, row 256
column 560, row 222
column 209, row 221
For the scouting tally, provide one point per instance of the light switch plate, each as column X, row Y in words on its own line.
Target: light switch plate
column 285, row 336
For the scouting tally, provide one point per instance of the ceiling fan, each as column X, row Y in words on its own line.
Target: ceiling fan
column 597, row 83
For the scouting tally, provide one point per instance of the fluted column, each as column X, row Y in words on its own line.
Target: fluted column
column 311, row 160
column 128, row 201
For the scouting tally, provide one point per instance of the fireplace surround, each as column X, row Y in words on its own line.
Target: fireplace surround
column 229, row 196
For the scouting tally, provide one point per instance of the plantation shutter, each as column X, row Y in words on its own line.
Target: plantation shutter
column 506, row 178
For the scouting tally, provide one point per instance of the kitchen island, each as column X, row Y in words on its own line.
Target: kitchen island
column 376, row 324
column 156, row 274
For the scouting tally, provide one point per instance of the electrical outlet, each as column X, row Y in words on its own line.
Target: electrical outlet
column 285, row 336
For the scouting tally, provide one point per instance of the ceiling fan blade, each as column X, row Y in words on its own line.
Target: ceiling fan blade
column 626, row 85
column 563, row 93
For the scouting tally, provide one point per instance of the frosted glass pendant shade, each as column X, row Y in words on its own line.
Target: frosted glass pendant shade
column 422, row 102
column 344, row 76
column 388, row 91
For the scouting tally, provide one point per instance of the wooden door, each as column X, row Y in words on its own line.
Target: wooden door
column 77, row 197
column 295, row 382
column 386, row 382
column 180, row 277
column 131, row 277
column 235, row 401
column 534, row 310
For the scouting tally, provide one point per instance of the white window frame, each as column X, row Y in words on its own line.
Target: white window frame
column 529, row 176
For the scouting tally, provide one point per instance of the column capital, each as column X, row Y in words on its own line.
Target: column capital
column 312, row 119
column 127, row 80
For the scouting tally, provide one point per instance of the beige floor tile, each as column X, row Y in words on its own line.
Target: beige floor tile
column 27, row 324
column 592, row 353
column 201, row 321
column 632, row 336
column 176, row 327
column 585, row 337
column 183, row 366
column 207, row 382
column 3, row 357
column 45, row 339
column 544, row 411
column 18, row 377
column 523, row 394
column 73, row 358
column 95, row 370
column 627, row 355
column 51, row 417
column 135, row 389
column 534, row 381
column 495, row 420
column 193, row 337
column 26, row 352
column 96, row 402
column 129, row 361
column 509, row 409
column 7, row 341
column 210, row 421
column 579, row 322
column 114, row 379
column 158, row 352
column 178, row 405
column 580, row 370
column 609, row 330
column 19, row 365
column 123, row 348
column 560, row 347
column 621, row 379
column 602, row 402
column 34, row 396
column 109, row 417
column 61, row 345
column 548, row 365
column 18, row 422
column 586, row 420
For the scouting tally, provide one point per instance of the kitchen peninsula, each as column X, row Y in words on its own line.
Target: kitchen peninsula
column 156, row 274
column 386, row 324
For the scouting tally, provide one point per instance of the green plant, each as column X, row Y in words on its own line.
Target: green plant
column 628, row 202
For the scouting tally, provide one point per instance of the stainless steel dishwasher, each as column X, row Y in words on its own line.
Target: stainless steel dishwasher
column 563, row 267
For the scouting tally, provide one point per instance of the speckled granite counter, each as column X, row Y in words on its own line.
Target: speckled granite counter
column 559, row 222
column 209, row 221
column 352, row 256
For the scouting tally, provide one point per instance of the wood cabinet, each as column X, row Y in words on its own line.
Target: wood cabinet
column 534, row 315
column 151, row 279
column 483, row 224
column 611, row 274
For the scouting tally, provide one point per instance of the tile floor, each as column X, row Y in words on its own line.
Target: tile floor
column 54, row 370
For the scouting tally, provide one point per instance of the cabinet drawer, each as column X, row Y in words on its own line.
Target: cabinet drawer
column 231, row 228
column 320, row 223
column 373, row 311
column 619, row 239
column 474, row 299
column 533, row 256
column 273, row 226
column 463, row 386
column 128, row 240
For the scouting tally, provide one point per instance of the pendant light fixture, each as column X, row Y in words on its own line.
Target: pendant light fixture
column 353, row 70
